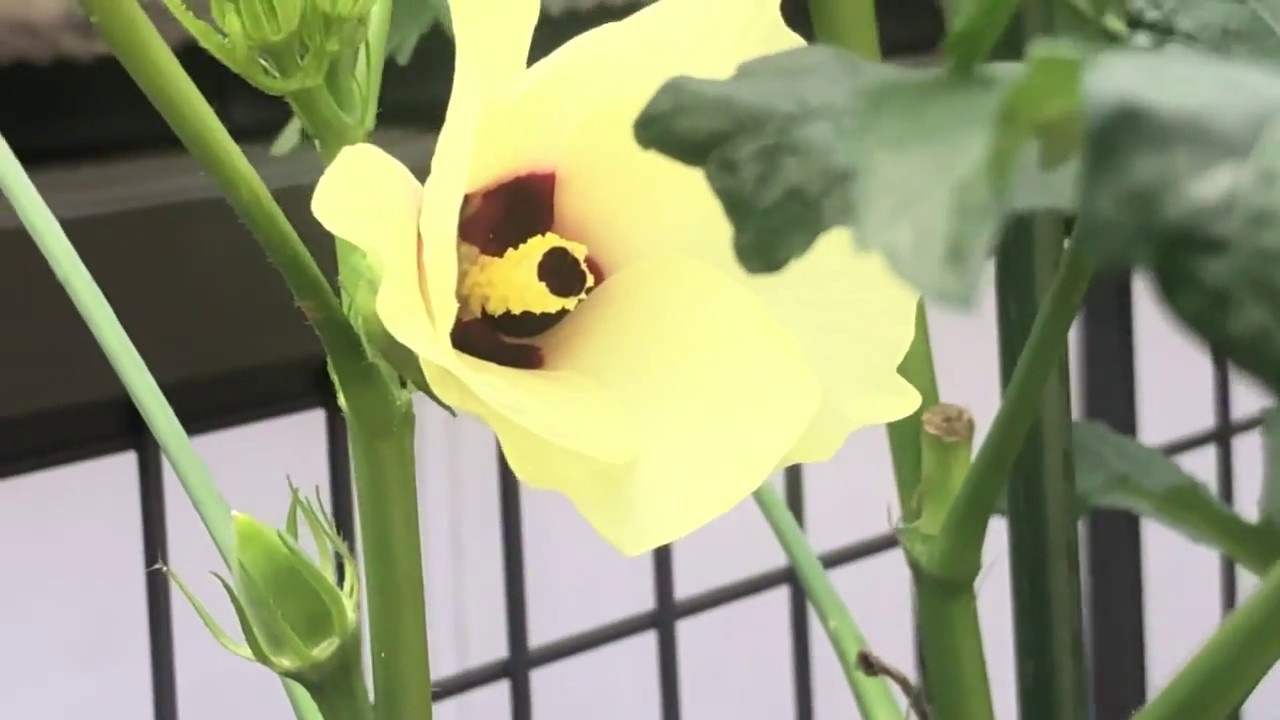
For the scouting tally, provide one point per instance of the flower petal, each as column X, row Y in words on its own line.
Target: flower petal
column 854, row 319
column 611, row 72
column 491, row 40
column 718, row 390
column 369, row 199
column 562, row 407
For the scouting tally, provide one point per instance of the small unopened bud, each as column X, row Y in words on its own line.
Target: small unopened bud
column 297, row 618
column 279, row 46
column 260, row 23
column 345, row 9
column 344, row 23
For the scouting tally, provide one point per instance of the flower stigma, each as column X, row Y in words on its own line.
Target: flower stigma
column 517, row 277
column 526, row 290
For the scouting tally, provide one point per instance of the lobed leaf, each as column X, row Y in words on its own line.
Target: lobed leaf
column 1181, row 175
column 923, row 164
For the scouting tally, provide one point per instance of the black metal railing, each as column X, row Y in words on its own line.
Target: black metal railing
column 1113, row 565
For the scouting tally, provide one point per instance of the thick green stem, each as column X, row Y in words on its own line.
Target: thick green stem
column 850, row 24
column 949, row 633
column 342, row 695
column 951, row 643
column 134, row 40
column 904, row 434
column 332, row 130
column 1044, row 546
column 872, row 694
column 380, row 424
column 325, row 121
column 1230, row 665
column 946, row 445
column 959, row 546
column 382, row 448
column 946, row 565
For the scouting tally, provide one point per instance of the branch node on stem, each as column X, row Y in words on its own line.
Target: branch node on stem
column 873, row 665
column 946, row 445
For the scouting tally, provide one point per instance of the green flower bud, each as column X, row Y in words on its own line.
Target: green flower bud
column 299, row 615
column 280, row 46
column 344, row 24
column 345, row 9
column 259, row 23
column 296, row 618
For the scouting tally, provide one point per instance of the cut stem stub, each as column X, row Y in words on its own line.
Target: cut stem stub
column 946, row 446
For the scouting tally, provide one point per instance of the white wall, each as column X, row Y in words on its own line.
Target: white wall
column 73, row 610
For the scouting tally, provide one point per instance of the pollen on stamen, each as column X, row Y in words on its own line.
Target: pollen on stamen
column 547, row 274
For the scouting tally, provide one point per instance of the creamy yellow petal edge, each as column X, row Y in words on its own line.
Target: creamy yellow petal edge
column 369, row 199
column 718, row 390
column 854, row 318
column 491, row 40
column 615, row 69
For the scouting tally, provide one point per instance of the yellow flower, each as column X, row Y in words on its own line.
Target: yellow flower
column 582, row 297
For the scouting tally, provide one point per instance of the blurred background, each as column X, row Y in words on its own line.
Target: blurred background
column 531, row 615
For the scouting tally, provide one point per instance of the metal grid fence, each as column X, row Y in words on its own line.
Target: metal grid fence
column 1114, row 579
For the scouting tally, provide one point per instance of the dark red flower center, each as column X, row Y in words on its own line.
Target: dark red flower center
column 501, row 218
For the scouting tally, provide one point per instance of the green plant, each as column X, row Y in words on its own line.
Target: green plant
column 1159, row 142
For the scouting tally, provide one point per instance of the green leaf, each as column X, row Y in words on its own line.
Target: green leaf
column 977, row 30
column 410, row 20
column 257, row 651
column 1237, row 28
column 1102, row 7
column 1182, row 175
column 1114, row 471
column 249, row 652
column 924, row 164
column 1097, row 21
column 319, row 533
column 1045, row 104
column 291, row 518
column 775, row 143
column 1269, row 501
column 289, row 137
